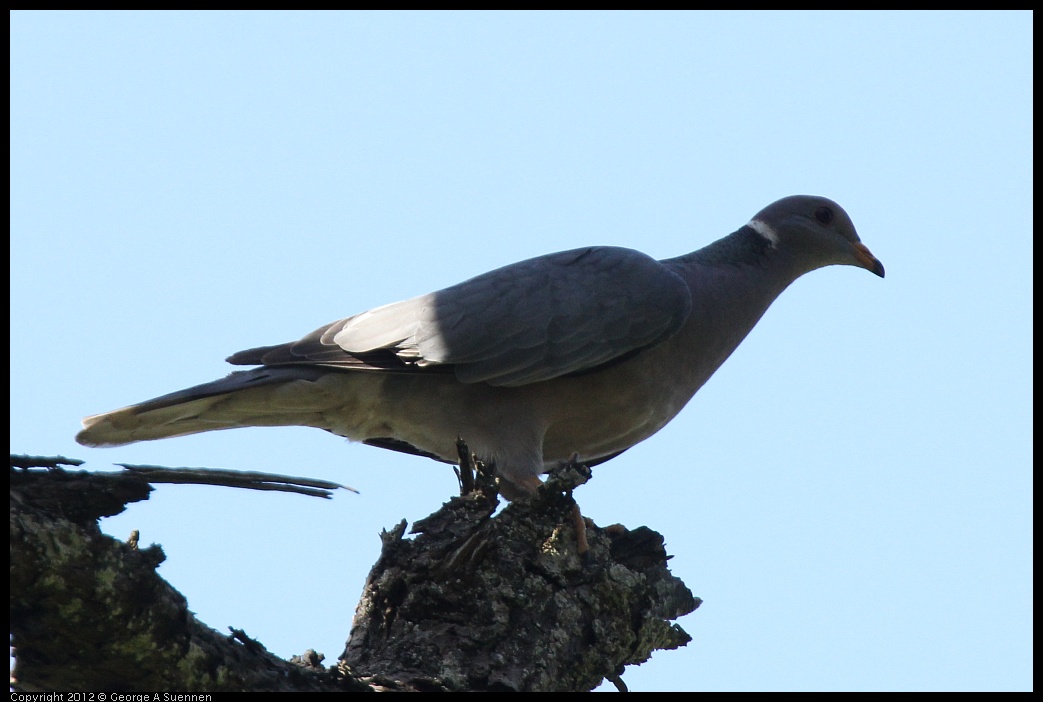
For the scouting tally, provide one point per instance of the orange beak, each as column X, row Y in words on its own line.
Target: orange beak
column 867, row 260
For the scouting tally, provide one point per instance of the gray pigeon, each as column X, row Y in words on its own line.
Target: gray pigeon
column 581, row 353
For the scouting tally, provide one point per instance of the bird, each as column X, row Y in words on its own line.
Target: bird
column 576, row 355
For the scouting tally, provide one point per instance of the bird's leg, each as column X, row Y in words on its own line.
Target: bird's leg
column 577, row 516
column 581, row 529
column 566, row 485
column 521, row 487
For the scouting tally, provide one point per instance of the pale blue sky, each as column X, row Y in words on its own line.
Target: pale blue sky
column 850, row 494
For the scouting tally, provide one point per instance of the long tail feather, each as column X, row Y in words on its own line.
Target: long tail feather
column 245, row 398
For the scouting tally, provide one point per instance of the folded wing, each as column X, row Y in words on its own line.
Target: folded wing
column 554, row 315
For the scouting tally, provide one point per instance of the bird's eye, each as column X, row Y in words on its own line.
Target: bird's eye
column 824, row 215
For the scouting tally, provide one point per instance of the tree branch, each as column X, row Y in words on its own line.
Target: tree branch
column 474, row 602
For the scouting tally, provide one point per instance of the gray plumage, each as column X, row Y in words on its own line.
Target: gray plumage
column 583, row 352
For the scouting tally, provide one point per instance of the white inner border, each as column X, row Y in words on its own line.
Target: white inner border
column 764, row 230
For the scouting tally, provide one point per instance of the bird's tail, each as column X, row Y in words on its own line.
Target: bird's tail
column 260, row 397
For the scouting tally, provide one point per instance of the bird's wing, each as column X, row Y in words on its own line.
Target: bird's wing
column 554, row 315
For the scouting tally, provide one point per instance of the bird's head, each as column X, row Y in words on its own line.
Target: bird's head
column 815, row 232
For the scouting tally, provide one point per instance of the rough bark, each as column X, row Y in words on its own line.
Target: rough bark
column 475, row 601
